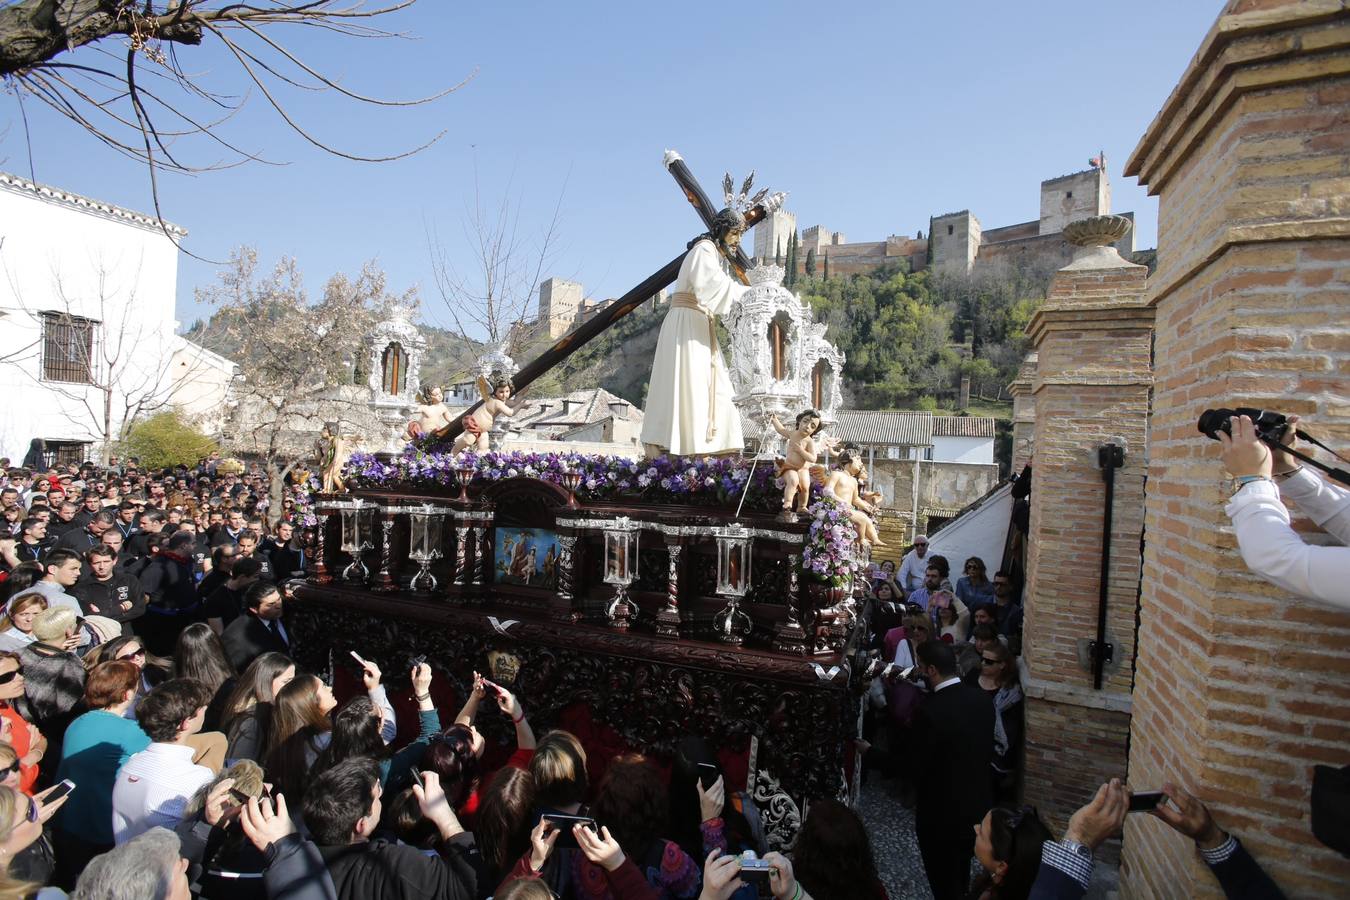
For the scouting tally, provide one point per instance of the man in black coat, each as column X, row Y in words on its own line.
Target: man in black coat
column 109, row 591
column 954, row 743
column 171, row 593
column 342, row 807
column 259, row 629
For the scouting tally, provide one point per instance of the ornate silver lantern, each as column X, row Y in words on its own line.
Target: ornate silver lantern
column 621, row 556
column 357, row 530
column 424, row 544
column 734, row 544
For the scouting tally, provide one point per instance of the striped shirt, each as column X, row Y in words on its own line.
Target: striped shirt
column 153, row 788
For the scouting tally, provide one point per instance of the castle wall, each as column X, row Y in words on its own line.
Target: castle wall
column 1242, row 686
column 1069, row 198
column 955, row 241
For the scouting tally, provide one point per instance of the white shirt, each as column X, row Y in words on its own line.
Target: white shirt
column 955, row 679
column 912, row 571
column 1273, row 550
column 153, row 787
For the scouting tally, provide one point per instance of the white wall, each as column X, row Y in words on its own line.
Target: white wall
column 963, row 449
column 201, row 385
column 65, row 253
column 981, row 532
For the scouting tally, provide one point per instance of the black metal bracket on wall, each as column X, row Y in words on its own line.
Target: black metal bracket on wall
column 1109, row 458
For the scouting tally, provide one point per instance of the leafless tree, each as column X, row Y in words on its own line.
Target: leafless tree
column 489, row 299
column 101, row 355
column 299, row 356
column 112, row 68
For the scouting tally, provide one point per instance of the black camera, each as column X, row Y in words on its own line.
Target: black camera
column 1270, row 426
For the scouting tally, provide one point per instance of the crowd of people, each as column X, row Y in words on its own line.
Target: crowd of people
column 158, row 740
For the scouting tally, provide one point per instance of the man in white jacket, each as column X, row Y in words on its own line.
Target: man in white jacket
column 1269, row 546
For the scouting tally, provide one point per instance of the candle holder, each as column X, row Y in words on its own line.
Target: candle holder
column 571, row 481
column 734, row 542
column 357, row 524
column 465, row 475
column 621, row 551
column 424, row 545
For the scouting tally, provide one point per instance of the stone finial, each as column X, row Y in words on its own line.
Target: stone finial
column 1097, row 231
column 765, row 273
column 1093, row 237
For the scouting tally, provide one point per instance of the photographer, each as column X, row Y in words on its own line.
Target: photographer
column 1269, row 546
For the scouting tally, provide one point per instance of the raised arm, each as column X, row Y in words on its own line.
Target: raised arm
column 470, row 708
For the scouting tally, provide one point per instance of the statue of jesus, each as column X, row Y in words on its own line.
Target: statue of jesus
column 689, row 410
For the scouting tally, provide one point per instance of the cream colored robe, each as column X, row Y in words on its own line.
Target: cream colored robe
column 677, row 414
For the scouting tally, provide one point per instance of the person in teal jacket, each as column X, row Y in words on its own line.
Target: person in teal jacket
column 95, row 747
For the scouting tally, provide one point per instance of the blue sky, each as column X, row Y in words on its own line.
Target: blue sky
column 873, row 116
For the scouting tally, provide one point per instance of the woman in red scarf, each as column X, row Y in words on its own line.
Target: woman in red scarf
column 28, row 743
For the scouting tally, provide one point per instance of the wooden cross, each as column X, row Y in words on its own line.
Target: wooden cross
column 662, row 278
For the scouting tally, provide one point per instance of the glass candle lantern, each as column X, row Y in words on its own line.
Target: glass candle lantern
column 621, row 554
column 734, row 544
column 357, row 527
column 424, row 544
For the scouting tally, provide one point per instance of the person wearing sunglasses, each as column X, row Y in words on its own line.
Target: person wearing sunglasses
column 27, row 741
column 998, row 678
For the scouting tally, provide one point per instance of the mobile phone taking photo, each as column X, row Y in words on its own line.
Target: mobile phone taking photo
column 1146, row 801
column 707, row 775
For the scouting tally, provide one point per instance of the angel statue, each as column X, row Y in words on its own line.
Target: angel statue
column 433, row 416
column 332, row 454
column 499, row 399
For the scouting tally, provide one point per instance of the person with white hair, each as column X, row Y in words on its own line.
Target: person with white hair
column 147, row 867
column 53, row 674
column 914, row 565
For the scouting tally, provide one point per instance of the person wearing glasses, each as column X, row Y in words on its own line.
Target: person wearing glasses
column 998, row 679
column 24, row 850
column 25, row 737
column 95, row 747
column 974, row 587
column 914, row 565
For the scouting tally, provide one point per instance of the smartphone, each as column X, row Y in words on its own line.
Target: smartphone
column 417, row 661
column 65, row 787
column 564, row 823
column 755, row 871
column 416, row 774
column 708, row 775
column 359, row 661
column 496, row 689
column 1145, row 801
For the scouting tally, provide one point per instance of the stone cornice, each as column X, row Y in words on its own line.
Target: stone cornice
column 1243, row 52
column 1072, row 694
column 1090, row 315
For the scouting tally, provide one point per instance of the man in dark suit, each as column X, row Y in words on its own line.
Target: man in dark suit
column 259, row 629
column 954, row 736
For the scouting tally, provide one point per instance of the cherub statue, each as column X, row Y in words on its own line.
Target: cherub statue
column 331, row 451
column 478, row 423
column 872, row 497
column 843, row 485
column 802, row 453
column 433, row 415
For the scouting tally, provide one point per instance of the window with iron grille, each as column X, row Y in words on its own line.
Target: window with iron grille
column 60, row 453
column 68, row 348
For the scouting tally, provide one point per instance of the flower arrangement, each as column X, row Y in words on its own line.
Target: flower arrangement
column 713, row 481
column 828, row 556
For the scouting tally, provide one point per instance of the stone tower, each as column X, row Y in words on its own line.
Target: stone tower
column 1069, row 198
column 773, row 234
column 955, row 241
column 560, row 301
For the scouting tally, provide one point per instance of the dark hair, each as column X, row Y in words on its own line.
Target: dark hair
column 356, row 732
column 340, row 798
column 939, row 655
column 153, row 515
column 976, row 559
column 450, row 755
column 807, row 414
column 939, row 562
column 29, row 524
column 253, row 597
column 1009, row 661
column 502, row 827
column 685, row 813
column 244, row 567
column 222, row 555
column 559, row 770
column 125, row 504
column 99, row 550
column 832, row 858
column 846, row 457
column 199, row 655
column 181, row 539
column 255, row 684
column 403, row 816
column 1015, row 837
column 59, row 556
column 166, row 708
column 21, row 578
column 632, row 804
column 109, row 682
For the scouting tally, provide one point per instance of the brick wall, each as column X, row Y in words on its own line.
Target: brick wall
column 1090, row 386
column 1241, row 687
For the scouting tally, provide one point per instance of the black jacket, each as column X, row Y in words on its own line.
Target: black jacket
column 104, row 598
column 247, row 638
column 954, row 736
column 379, row 870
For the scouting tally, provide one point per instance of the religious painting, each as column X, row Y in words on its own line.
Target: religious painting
column 527, row 556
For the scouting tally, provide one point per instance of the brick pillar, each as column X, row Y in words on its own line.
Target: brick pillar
column 1091, row 387
column 1243, row 688
column 1023, row 413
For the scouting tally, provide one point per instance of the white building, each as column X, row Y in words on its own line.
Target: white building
column 964, row 439
column 87, row 294
column 201, row 386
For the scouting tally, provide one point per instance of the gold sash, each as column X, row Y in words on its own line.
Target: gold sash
column 686, row 300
